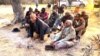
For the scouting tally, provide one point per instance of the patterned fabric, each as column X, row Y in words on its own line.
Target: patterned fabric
column 66, row 34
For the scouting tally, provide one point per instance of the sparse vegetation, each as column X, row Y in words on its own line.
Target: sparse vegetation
column 89, row 50
column 96, row 40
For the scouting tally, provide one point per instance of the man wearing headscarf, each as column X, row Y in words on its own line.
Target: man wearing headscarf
column 65, row 38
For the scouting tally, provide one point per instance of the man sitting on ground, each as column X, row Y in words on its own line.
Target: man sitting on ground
column 79, row 25
column 53, row 17
column 38, row 26
column 43, row 15
column 65, row 38
column 27, row 17
column 48, row 9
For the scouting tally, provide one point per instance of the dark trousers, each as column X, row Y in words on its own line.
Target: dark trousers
column 77, row 34
column 41, row 32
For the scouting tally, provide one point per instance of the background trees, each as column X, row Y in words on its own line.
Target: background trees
column 26, row 1
column 18, row 10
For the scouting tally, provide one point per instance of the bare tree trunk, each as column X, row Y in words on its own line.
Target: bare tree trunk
column 41, row 1
column 56, row 2
column 18, row 10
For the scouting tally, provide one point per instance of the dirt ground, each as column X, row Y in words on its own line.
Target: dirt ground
column 8, row 46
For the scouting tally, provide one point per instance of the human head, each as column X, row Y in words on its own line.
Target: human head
column 33, row 17
column 30, row 9
column 54, row 13
column 49, row 5
column 67, row 14
column 28, row 13
column 36, row 10
column 60, row 9
column 77, row 16
column 43, row 10
column 55, row 7
column 83, row 13
column 67, row 23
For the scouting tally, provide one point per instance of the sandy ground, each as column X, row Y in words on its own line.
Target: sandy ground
column 8, row 46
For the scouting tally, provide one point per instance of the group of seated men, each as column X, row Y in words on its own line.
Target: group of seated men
column 71, row 26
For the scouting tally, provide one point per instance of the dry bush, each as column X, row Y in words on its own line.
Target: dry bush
column 90, row 49
column 96, row 40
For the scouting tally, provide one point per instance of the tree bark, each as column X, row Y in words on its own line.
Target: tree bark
column 18, row 10
column 56, row 2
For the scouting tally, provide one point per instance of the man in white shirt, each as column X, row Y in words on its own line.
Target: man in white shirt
column 65, row 38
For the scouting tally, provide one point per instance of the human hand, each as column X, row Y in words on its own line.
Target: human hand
column 26, row 25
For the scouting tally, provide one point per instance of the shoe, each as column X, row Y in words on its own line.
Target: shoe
column 49, row 47
column 16, row 30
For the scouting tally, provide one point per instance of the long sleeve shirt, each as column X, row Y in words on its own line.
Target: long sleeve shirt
column 39, row 27
column 65, row 35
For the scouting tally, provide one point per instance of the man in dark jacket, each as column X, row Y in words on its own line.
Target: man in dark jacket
column 53, row 17
column 27, row 20
column 58, row 23
column 27, row 17
column 38, row 26
column 67, row 16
